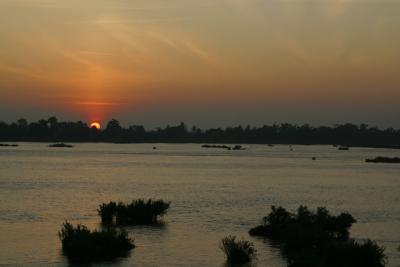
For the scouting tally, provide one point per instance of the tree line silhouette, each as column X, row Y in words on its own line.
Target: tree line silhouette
column 52, row 130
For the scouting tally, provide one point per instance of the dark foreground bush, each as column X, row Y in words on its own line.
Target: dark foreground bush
column 107, row 212
column 137, row 212
column 304, row 227
column 318, row 239
column 355, row 254
column 240, row 251
column 80, row 244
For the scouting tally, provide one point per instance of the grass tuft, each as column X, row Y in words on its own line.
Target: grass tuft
column 237, row 251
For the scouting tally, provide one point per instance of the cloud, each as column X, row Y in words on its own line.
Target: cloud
column 94, row 103
column 96, row 53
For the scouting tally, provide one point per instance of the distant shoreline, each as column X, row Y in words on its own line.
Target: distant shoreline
column 342, row 135
column 14, row 143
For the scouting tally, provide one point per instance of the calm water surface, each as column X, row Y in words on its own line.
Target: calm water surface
column 213, row 192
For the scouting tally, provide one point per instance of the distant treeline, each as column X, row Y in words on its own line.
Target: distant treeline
column 52, row 130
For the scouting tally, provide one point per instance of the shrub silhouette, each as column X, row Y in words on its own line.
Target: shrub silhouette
column 138, row 211
column 240, row 251
column 80, row 244
column 318, row 239
column 107, row 212
column 305, row 227
column 355, row 254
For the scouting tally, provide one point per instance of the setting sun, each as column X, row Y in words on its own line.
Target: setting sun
column 95, row 125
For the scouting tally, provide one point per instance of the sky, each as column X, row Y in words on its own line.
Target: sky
column 209, row 63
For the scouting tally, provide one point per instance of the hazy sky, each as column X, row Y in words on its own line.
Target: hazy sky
column 208, row 62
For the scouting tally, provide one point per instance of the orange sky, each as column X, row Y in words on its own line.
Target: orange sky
column 205, row 62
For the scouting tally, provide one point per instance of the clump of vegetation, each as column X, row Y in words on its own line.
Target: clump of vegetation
column 383, row 160
column 138, row 211
column 107, row 212
column 318, row 239
column 6, row 145
column 217, row 146
column 60, row 145
column 81, row 245
column 305, row 227
column 237, row 251
column 352, row 253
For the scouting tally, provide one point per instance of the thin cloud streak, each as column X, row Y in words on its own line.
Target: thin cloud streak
column 97, row 103
column 96, row 53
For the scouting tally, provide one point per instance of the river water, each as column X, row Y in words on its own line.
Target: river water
column 213, row 193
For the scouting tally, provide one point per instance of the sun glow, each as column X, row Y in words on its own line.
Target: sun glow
column 95, row 125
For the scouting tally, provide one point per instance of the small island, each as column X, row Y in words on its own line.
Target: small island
column 7, row 145
column 82, row 245
column 315, row 239
column 236, row 147
column 217, row 146
column 383, row 160
column 139, row 211
column 60, row 145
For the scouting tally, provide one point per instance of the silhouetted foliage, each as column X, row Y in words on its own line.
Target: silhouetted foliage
column 305, row 227
column 356, row 254
column 345, row 135
column 237, row 251
column 80, row 244
column 113, row 131
column 108, row 212
column 318, row 239
column 138, row 211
